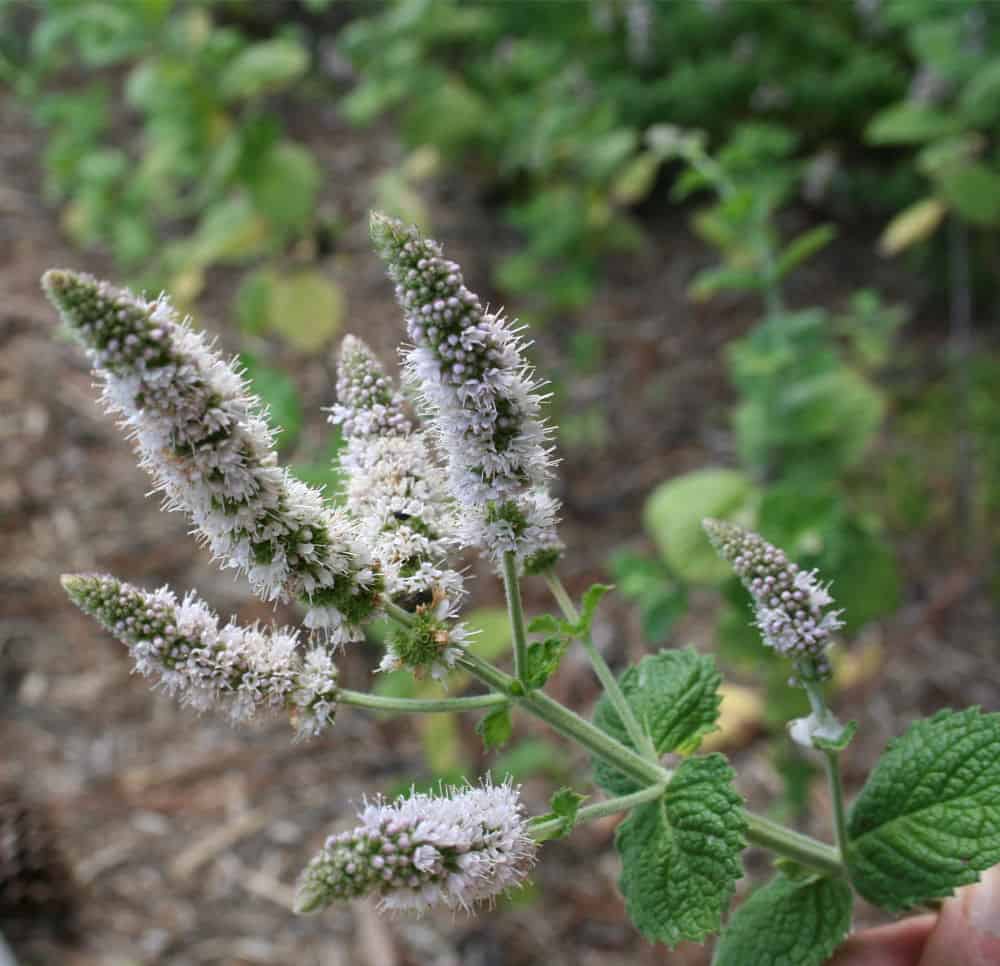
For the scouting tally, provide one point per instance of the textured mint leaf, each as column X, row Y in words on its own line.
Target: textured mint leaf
column 674, row 695
column 681, row 854
column 588, row 607
column 564, row 804
column 928, row 819
column 495, row 728
column 543, row 659
column 787, row 923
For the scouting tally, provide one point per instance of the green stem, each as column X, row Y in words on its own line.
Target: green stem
column 760, row 831
column 623, row 803
column 397, row 613
column 793, row 845
column 515, row 609
column 378, row 702
column 640, row 738
column 831, row 759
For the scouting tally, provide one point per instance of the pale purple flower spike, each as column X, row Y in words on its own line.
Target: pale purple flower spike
column 790, row 604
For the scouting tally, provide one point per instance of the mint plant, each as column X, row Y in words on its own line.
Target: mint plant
column 474, row 472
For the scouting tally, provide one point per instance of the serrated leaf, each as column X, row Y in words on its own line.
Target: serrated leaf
column 928, row 819
column 681, row 854
column 794, row 923
column 674, row 695
column 591, row 598
column 543, row 660
column 495, row 728
column 564, row 806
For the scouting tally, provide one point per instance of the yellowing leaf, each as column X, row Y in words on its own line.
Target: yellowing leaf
column 857, row 665
column 912, row 225
column 740, row 717
column 306, row 309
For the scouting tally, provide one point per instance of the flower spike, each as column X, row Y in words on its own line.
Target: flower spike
column 457, row 849
column 206, row 442
column 790, row 604
column 394, row 487
column 245, row 670
column 469, row 367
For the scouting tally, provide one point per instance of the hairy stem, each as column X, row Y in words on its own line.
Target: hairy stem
column 623, row 803
column 640, row 738
column 515, row 609
column 831, row 759
column 377, row 702
column 760, row 831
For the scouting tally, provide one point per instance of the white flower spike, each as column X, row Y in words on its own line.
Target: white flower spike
column 457, row 849
column 206, row 442
column 243, row 670
column 469, row 368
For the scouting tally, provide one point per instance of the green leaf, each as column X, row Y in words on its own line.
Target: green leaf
column 673, row 515
column 674, row 695
column 681, row 854
column 591, row 598
column 794, row 923
column 306, row 309
column 263, row 68
column 928, row 819
column 839, row 743
column 636, row 179
column 229, row 231
column 495, row 728
column 279, row 394
column 804, row 246
column 973, row 190
column 711, row 281
column 543, row 660
column 980, row 99
column 285, row 184
column 911, row 123
column 546, row 624
column 565, row 804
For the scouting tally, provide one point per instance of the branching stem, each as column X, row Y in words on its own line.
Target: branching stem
column 640, row 737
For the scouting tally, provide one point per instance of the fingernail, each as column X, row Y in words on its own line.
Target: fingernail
column 983, row 903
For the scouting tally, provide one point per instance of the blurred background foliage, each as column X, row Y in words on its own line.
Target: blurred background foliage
column 775, row 127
